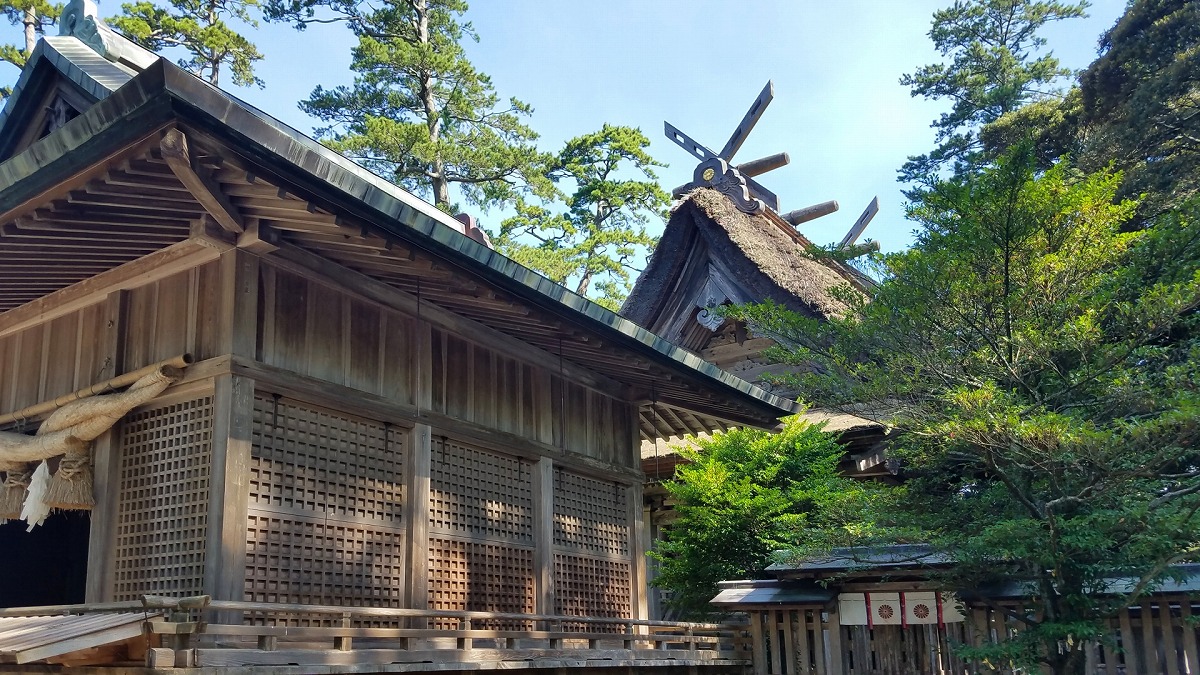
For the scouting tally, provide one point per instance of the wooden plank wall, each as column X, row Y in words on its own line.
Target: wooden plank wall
column 314, row 329
column 317, row 330
column 159, row 320
column 1155, row 637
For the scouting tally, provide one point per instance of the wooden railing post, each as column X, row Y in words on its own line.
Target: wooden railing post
column 465, row 642
column 344, row 643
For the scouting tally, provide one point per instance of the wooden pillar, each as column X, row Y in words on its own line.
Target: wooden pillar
column 239, row 303
column 419, row 469
column 640, row 528
column 106, row 461
column 654, row 609
column 543, row 536
column 637, row 552
column 225, row 550
column 233, row 410
column 833, row 630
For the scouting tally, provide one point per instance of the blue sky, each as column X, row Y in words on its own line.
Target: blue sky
column 839, row 110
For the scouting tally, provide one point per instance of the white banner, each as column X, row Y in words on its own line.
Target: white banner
column 885, row 609
column 920, row 607
column 852, row 609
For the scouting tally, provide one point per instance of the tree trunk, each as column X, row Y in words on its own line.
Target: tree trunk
column 1073, row 662
column 31, row 23
column 433, row 119
column 214, row 60
column 584, row 282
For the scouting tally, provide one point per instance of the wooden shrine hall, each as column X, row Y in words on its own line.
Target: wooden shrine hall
column 273, row 412
column 728, row 243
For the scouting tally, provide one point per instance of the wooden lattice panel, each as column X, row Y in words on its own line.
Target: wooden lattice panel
column 162, row 519
column 478, row 576
column 326, row 505
column 292, row 560
column 590, row 516
column 587, row 586
column 311, row 461
column 475, row 492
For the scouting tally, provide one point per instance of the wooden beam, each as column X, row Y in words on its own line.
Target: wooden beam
column 106, row 459
column 808, row 213
column 199, row 182
column 543, row 536
column 144, row 270
column 757, row 167
column 747, row 124
column 258, row 237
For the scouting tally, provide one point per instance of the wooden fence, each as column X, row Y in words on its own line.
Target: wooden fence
column 1156, row 637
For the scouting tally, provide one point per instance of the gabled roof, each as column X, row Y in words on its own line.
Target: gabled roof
column 66, row 60
column 750, row 258
column 326, row 205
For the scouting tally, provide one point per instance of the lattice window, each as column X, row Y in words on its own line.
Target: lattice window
column 590, row 515
column 162, row 519
column 591, row 587
column 326, row 508
column 307, row 460
column 332, row 563
column 477, row 576
column 481, row 493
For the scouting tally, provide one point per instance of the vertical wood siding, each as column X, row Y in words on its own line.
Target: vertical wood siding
column 1155, row 637
column 162, row 319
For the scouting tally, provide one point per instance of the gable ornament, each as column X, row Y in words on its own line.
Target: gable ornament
column 81, row 19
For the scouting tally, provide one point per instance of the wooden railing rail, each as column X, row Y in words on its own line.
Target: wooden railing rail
column 395, row 613
column 198, row 631
column 155, row 604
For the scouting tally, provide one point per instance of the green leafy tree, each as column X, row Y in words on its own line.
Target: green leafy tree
column 34, row 16
column 1141, row 102
column 418, row 111
column 994, row 68
column 595, row 243
column 200, row 28
column 1039, row 363
column 747, row 494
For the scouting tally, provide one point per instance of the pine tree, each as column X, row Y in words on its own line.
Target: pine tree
column 198, row 27
column 596, row 242
column 995, row 68
column 34, row 16
column 418, row 111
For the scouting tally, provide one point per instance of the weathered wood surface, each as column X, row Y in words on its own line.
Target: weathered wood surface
column 1155, row 637
column 163, row 317
column 199, row 182
column 351, row 637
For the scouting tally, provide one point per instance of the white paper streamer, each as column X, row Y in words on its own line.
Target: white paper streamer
column 36, row 509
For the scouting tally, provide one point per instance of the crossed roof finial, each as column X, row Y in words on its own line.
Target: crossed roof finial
column 715, row 169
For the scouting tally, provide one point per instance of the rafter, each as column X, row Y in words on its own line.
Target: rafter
column 199, row 182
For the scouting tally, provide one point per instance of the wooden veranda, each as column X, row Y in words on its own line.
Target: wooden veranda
column 192, row 635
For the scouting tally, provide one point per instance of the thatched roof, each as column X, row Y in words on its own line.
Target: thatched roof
column 765, row 255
